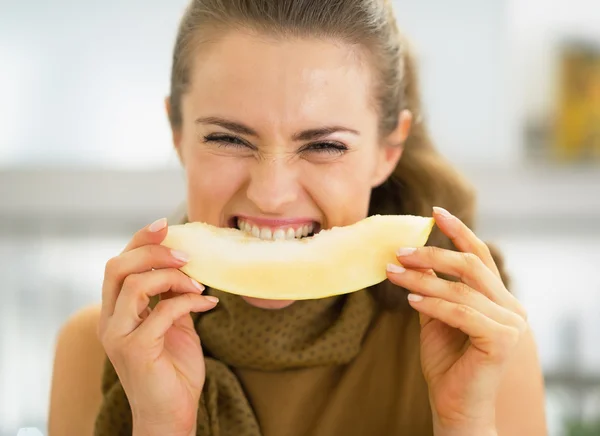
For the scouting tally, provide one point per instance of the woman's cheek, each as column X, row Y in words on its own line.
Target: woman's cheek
column 212, row 182
column 340, row 190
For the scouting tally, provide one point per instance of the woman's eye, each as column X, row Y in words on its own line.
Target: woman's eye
column 321, row 148
column 226, row 141
column 333, row 148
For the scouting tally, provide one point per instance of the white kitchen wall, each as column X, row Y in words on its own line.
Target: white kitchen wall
column 462, row 50
column 83, row 82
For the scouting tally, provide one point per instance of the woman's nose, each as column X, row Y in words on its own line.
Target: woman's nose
column 273, row 185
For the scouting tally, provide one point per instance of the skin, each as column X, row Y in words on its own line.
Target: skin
column 471, row 333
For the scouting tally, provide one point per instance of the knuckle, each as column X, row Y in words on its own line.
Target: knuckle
column 471, row 263
column 433, row 252
column 462, row 312
column 112, row 267
column 421, row 280
column 460, row 289
column 520, row 323
column 509, row 338
column 522, row 312
column 165, row 307
column 189, row 298
column 132, row 283
column 173, row 307
column 471, row 260
column 461, row 315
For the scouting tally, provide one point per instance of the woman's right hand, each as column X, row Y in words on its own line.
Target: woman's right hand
column 156, row 354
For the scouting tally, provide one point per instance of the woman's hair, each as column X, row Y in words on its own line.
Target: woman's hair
column 422, row 178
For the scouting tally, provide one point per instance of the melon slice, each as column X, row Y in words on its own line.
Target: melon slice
column 332, row 262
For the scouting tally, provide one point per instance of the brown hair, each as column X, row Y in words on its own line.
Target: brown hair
column 423, row 178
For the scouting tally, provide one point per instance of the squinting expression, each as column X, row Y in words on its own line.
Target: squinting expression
column 280, row 137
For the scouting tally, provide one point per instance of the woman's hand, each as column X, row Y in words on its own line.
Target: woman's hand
column 156, row 354
column 469, row 328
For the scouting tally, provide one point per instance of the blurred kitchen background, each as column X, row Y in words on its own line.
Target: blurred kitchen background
column 512, row 91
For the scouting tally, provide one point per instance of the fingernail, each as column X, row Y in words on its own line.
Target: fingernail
column 197, row 285
column 392, row 267
column 158, row 225
column 212, row 299
column 405, row 251
column 442, row 212
column 180, row 255
column 415, row 297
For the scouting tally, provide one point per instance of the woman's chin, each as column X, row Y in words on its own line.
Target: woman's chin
column 268, row 304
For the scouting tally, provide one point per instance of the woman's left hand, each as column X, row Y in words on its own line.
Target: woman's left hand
column 469, row 328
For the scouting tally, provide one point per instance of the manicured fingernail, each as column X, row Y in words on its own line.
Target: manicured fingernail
column 158, row 225
column 392, row 267
column 212, row 299
column 180, row 255
column 415, row 297
column 442, row 212
column 197, row 285
column 405, row 251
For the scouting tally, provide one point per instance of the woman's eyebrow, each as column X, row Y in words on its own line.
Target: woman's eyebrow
column 229, row 125
column 312, row 134
column 305, row 135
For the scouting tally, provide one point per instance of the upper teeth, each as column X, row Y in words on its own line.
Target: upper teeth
column 268, row 233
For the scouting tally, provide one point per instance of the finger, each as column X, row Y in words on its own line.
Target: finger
column 139, row 288
column 135, row 261
column 455, row 292
column 166, row 312
column 465, row 266
column 463, row 237
column 185, row 322
column 426, row 271
column 153, row 233
column 492, row 340
column 423, row 319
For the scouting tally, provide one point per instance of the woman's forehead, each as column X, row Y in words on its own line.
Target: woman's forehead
column 280, row 81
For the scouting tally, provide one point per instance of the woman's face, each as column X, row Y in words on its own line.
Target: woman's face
column 280, row 138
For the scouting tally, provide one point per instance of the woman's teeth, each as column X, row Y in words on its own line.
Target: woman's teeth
column 270, row 234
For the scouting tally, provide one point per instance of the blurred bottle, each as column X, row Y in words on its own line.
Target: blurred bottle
column 577, row 127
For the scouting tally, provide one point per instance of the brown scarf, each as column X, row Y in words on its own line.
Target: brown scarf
column 235, row 335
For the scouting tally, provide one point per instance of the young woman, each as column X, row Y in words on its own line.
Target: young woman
column 304, row 115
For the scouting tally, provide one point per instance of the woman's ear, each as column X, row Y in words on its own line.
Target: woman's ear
column 175, row 131
column 392, row 148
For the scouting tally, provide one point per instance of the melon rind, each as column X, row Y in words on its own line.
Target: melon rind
column 336, row 261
